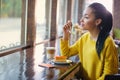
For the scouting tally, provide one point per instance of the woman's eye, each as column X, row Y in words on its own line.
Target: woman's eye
column 86, row 17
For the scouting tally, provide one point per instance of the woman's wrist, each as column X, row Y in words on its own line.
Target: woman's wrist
column 65, row 38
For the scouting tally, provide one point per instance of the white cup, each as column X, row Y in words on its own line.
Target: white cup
column 50, row 52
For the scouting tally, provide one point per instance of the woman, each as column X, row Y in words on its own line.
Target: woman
column 96, row 48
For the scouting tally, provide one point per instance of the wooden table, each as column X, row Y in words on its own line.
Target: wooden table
column 60, row 72
column 32, row 70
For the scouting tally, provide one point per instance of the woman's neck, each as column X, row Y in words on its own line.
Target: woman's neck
column 94, row 34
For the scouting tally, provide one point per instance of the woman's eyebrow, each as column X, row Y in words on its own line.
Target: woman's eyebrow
column 85, row 14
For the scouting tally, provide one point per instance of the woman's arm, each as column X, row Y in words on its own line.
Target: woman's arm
column 68, row 50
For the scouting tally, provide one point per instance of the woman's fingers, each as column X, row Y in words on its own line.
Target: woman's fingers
column 67, row 30
column 68, row 25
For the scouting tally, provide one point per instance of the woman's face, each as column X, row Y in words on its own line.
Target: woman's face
column 88, row 21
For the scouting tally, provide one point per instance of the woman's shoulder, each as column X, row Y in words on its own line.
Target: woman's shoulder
column 84, row 36
column 109, row 40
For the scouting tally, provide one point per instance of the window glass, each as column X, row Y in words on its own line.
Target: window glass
column 61, row 15
column 41, row 30
column 10, row 23
column 107, row 3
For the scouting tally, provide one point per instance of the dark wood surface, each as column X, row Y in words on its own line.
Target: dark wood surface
column 59, row 72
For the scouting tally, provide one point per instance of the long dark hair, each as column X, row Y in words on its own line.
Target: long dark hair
column 105, row 26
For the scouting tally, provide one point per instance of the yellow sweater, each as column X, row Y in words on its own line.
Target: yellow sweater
column 93, row 67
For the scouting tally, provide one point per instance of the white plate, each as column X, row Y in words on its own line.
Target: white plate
column 67, row 62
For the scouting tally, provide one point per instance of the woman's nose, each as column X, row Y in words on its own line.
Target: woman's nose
column 81, row 20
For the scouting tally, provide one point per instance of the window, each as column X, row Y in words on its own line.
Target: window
column 107, row 3
column 42, row 26
column 61, row 15
column 12, row 34
column 10, row 23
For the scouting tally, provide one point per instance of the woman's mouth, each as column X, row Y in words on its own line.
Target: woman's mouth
column 81, row 25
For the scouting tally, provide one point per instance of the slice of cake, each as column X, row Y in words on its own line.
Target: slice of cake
column 60, row 58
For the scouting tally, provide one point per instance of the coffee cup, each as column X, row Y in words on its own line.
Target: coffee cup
column 50, row 52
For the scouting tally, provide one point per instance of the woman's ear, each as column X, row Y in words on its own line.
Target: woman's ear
column 98, row 21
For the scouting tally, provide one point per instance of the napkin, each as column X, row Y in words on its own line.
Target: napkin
column 46, row 65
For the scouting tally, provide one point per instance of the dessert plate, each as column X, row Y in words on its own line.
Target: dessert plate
column 67, row 62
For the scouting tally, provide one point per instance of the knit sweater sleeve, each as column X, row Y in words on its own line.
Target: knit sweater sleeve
column 68, row 50
column 110, row 63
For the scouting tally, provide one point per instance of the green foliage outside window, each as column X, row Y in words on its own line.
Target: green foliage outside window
column 10, row 8
column 116, row 33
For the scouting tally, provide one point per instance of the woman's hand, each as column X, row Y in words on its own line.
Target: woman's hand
column 67, row 30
